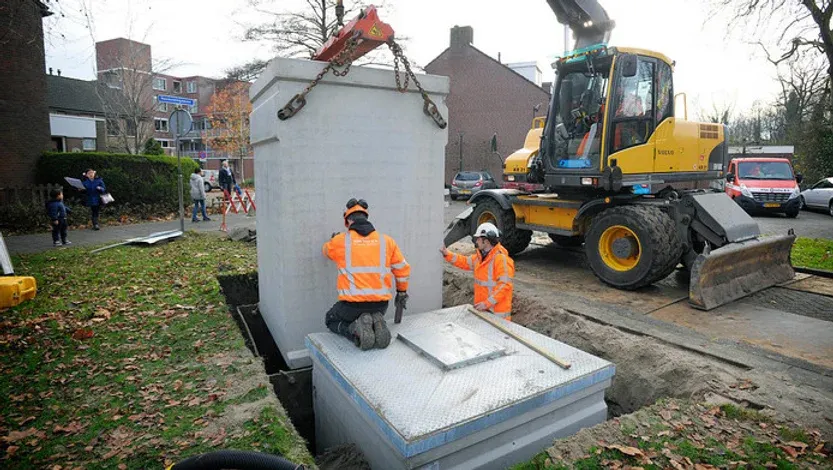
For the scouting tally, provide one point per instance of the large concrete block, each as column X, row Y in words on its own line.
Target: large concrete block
column 356, row 137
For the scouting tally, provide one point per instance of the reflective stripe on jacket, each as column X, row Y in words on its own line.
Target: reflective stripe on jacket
column 367, row 266
column 492, row 278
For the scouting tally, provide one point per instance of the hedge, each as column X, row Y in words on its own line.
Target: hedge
column 143, row 182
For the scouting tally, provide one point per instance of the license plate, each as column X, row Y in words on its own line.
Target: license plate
column 772, row 204
column 465, row 191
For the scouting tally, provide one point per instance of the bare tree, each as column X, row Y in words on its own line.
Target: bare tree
column 720, row 112
column 798, row 25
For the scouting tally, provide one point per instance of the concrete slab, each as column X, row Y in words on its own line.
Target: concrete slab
column 404, row 410
column 781, row 332
column 359, row 137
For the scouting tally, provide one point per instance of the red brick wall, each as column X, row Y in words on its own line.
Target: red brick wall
column 120, row 52
column 24, row 115
column 485, row 97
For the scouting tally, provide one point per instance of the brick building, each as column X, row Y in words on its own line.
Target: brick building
column 24, row 116
column 76, row 114
column 486, row 98
column 128, row 65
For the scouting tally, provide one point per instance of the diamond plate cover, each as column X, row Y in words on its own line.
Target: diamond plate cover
column 420, row 406
column 450, row 345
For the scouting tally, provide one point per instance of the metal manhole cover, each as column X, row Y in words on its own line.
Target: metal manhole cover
column 451, row 346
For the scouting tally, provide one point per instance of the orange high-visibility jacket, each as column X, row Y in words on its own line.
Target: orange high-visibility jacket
column 492, row 278
column 366, row 266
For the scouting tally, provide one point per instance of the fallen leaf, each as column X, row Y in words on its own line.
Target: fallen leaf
column 701, row 466
column 627, row 450
column 762, row 425
column 789, row 450
column 11, row 450
column 798, row 445
column 664, row 433
column 746, row 385
column 666, row 415
column 122, row 466
column 177, row 385
column 83, row 333
column 19, row 435
column 198, row 344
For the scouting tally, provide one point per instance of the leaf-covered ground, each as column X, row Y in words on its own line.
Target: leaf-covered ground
column 129, row 359
column 684, row 435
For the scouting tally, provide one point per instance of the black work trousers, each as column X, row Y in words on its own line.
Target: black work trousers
column 59, row 230
column 94, row 211
column 342, row 314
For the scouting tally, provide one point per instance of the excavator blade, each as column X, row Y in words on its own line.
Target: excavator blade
column 458, row 228
column 739, row 269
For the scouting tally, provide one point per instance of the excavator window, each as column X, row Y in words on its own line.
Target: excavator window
column 633, row 104
column 582, row 92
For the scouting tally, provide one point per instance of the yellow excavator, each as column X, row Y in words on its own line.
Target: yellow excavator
column 612, row 168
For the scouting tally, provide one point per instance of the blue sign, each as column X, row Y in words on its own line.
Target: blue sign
column 176, row 100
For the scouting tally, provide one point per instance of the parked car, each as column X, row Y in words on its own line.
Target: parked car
column 819, row 196
column 211, row 179
column 764, row 185
column 466, row 183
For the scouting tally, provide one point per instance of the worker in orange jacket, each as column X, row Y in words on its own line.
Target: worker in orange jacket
column 368, row 264
column 493, row 271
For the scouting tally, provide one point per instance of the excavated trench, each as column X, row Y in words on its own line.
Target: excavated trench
column 646, row 368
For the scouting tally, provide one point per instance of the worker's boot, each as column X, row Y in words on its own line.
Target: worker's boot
column 380, row 329
column 362, row 332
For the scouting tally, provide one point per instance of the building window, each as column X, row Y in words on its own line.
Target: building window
column 160, row 84
column 112, row 126
column 88, row 144
column 177, row 86
column 130, row 127
column 161, row 107
column 192, row 87
column 196, row 107
column 165, row 144
column 161, row 125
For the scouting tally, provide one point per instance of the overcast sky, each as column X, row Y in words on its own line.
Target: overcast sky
column 204, row 36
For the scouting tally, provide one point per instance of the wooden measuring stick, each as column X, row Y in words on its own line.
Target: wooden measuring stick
column 496, row 323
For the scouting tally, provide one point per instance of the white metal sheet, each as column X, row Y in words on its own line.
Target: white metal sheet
column 450, row 345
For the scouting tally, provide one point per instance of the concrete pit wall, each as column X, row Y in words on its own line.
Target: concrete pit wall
column 358, row 137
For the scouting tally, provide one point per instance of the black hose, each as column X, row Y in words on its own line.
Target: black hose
column 235, row 460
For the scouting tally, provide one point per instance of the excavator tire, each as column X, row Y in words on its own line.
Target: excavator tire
column 512, row 238
column 565, row 240
column 630, row 247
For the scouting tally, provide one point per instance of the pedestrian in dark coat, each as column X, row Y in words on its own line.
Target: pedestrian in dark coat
column 57, row 212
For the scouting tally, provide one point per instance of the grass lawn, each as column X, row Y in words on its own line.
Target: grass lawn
column 680, row 434
column 129, row 359
column 814, row 253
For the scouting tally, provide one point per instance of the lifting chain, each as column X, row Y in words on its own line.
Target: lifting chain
column 343, row 60
column 429, row 108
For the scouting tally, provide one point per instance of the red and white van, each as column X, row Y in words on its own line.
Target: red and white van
column 764, row 185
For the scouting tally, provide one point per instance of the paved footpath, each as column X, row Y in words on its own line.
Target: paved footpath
column 39, row 242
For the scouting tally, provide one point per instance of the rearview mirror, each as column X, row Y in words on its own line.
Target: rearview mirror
column 493, row 143
column 730, row 177
column 799, row 178
column 628, row 64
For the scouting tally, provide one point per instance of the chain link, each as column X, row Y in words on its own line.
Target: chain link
column 429, row 108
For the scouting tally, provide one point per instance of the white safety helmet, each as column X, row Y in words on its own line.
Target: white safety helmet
column 487, row 230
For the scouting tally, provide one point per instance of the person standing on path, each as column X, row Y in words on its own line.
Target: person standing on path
column 368, row 262
column 227, row 181
column 94, row 188
column 493, row 271
column 198, row 195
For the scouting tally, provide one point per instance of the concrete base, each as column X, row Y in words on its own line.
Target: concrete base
column 404, row 411
column 358, row 137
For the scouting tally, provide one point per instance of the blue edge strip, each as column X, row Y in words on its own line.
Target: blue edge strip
column 410, row 449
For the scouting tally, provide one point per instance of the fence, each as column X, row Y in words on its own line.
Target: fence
column 27, row 195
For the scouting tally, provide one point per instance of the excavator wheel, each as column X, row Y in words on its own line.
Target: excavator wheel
column 630, row 247
column 565, row 240
column 512, row 238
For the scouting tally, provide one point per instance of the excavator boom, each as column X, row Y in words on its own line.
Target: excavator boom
column 587, row 19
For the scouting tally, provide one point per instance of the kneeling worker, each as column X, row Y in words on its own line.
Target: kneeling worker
column 493, row 271
column 367, row 261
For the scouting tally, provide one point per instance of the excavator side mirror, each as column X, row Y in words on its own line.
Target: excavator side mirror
column 730, row 177
column 799, row 178
column 493, row 143
column 628, row 64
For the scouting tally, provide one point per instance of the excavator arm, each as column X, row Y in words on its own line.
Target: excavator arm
column 586, row 18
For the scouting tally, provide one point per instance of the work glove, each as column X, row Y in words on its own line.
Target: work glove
column 401, row 299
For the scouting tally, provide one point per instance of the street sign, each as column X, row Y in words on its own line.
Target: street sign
column 176, row 100
column 180, row 122
column 203, row 156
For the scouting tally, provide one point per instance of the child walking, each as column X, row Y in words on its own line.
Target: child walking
column 57, row 212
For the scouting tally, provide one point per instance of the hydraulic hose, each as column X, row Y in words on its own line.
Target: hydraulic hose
column 235, row 460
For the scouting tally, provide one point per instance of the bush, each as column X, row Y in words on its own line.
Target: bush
column 248, row 183
column 153, row 147
column 143, row 184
